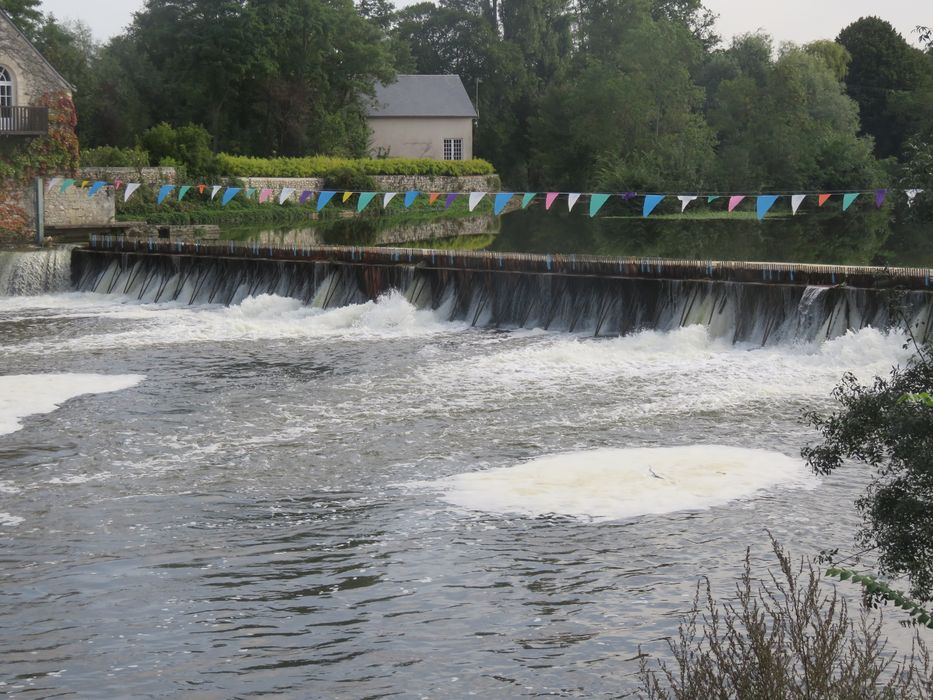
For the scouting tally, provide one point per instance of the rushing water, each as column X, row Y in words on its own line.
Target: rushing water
column 371, row 501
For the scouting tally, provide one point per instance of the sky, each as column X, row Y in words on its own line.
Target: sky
column 799, row 21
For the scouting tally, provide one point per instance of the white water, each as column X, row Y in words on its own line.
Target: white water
column 609, row 484
column 26, row 395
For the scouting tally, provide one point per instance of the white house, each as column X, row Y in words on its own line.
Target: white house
column 422, row 116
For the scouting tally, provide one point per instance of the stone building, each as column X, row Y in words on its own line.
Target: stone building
column 25, row 78
column 422, row 116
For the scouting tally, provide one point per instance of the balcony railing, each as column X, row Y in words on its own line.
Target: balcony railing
column 24, row 121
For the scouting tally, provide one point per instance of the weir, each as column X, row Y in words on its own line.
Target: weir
column 744, row 302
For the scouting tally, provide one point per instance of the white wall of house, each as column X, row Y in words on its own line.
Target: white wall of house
column 419, row 137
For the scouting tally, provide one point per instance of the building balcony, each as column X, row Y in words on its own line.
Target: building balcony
column 24, row 121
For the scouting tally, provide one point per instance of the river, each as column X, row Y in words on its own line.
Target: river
column 372, row 501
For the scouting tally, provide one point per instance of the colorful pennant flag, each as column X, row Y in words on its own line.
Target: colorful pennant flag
column 388, row 197
column 823, row 198
column 95, row 188
column 572, row 200
column 735, row 201
column 117, row 184
column 527, row 199
column 229, row 194
column 711, row 199
column 796, row 201
column 764, row 204
column 451, row 198
column 410, row 198
column 629, row 196
column 285, row 194
column 502, row 199
column 183, row 191
column 476, row 198
column 847, row 200
column 651, row 201
column 323, row 198
column 433, row 197
column 596, row 203
column 684, row 201
column 201, row 188
column 214, row 190
column 250, row 191
column 346, row 196
column 305, row 197
column 164, row 192
column 549, row 200
column 53, row 183
column 264, row 195
column 130, row 189
column 880, row 196
column 364, row 200
column 65, row 185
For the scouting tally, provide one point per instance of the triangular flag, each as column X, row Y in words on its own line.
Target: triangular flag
column 346, row 196
column 848, row 198
column 182, row 192
column 527, row 198
column 433, row 197
column 796, row 201
column 285, row 194
column 712, row 198
column 323, row 198
column 264, row 195
column 765, row 202
column 596, row 203
column 130, row 189
column 250, row 191
column 117, row 184
column 53, row 183
column 66, row 184
column 629, row 195
column 502, row 198
column 572, row 200
column 305, row 196
column 549, row 199
column 685, row 200
column 651, row 201
column 364, row 200
column 911, row 194
column 387, row 197
column 164, row 192
column 84, row 183
column 450, row 199
column 95, row 188
column 410, row 198
column 214, row 190
column 476, row 198
column 229, row 194
column 735, row 201
column 201, row 188
column 880, row 196
column 823, row 198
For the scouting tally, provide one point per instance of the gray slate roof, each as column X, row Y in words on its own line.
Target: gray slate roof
column 422, row 96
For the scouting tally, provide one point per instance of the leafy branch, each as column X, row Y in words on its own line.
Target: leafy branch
column 879, row 590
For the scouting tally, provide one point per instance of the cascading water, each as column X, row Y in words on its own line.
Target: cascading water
column 603, row 306
column 27, row 273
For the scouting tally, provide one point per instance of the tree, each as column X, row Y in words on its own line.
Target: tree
column 26, row 14
column 878, row 425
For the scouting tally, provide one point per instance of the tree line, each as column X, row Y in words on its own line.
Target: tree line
column 584, row 94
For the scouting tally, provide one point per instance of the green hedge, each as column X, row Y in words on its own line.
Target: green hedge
column 109, row 156
column 326, row 166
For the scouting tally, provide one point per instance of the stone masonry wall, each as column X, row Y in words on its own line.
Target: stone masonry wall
column 75, row 208
column 153, row 177
column 32, row 76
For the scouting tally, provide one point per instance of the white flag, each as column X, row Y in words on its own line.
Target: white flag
column 130, row 189
column 796, row 201
column 388, row 197
column 684, row 201
column 53, row 183
column 285, row 194
column 572, row 198
column 476, row 198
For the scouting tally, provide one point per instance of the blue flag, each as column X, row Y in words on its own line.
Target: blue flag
column 502, row 198
column 651, row 201
column 410, row 198
column 323, row 198
column 164, row 192
column 765, row 202
column 228, row 195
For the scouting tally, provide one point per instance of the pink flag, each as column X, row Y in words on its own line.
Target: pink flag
column 549, row 199
column 264, row 195
column 735, row 201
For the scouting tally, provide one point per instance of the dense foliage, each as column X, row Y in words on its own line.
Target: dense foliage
column 325, row 166
column 888, row 425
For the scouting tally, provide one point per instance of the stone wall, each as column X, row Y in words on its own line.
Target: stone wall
column 75, row 208
column 299, row 184
column 153, row 177
column 32, row 75
column 437, row 183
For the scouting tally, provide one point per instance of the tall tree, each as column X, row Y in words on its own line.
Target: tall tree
column 26, row 14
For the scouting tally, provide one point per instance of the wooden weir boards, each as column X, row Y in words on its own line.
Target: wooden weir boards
column 796, row 274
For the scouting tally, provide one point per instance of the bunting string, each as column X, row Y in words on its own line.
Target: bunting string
column 500, row 201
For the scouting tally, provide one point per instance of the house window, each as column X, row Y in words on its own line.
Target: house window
column 453, row 149
column 6, row 88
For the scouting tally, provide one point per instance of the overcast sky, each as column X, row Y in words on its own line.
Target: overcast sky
column 786, row 20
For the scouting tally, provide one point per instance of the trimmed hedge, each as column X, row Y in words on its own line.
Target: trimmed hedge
column 326, row 166
column 110, row 156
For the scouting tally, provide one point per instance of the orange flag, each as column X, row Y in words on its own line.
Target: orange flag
column 201, row 188
column 433, row 197
column 824, row 198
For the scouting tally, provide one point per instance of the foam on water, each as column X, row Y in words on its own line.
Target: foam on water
column 23, row 395
column 613, row 484
column 7, row 520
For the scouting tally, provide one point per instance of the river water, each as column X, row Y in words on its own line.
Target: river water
column 279, row 500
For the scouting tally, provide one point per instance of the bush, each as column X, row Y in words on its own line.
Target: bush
column 326, row 166
column 784, row 638
column 349, row 179
column 188, row 146
column 112, row 157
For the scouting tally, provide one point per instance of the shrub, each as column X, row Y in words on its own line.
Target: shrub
column 112, row 157
column 787, row 638
column 189, row 146
column 325, row 166
column 349, row 179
